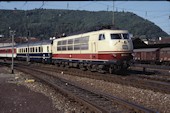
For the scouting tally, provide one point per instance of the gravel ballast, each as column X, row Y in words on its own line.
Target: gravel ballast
column 154, row 100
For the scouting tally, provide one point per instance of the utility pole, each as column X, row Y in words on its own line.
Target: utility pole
column 107, row 7
column 146, row 15
column 67, row 5
column 12, row 33
column 28, row 59
column 27, row 36
column 113, row 14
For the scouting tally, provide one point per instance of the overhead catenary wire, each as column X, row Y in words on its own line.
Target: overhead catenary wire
column 42, row 5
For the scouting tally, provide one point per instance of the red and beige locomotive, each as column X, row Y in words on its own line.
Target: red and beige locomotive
column 101, row 50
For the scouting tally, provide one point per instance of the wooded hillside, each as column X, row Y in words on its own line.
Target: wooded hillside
column 44, row 23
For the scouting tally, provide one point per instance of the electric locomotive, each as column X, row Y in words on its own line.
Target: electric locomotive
column 102, row 50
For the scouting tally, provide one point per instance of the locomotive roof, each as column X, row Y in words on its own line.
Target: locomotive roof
column 116, row 30
column 145, row 49
column 99, row 31
column 43, row 42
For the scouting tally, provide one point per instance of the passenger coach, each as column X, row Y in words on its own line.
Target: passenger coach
column 35, row 51
column 6, row 52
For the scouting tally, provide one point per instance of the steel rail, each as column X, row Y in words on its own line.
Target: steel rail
column 99, row 99
column 131, row 81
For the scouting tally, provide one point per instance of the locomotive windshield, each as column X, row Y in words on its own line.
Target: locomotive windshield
column 125, row 36
column 120, row 36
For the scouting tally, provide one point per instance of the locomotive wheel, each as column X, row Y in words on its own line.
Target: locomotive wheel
column 89, row 67
column 111, row 69
column 94, row 68
column 81, row 66
column 62, row 64
column 101, row 69
column 56, row 64
column 67, row 65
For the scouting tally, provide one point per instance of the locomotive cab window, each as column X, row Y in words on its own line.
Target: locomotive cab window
column 115, row 36
column 125, row 36
column 101, row 37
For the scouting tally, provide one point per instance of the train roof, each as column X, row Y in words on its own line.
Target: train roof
column 146, row 49
column 43, row 42
column 8, row 46
column 167, row 48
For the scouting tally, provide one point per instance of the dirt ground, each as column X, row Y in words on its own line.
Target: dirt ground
column 15, row 98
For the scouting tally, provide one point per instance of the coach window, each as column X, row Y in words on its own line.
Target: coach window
column 33, row 49
column 47, row 48
column 115, row 36
column 36, row 49
column 39, row 49
column 101, row 37
column 26, row 50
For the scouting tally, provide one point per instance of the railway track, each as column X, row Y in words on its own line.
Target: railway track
column 92, row 101
column 135, row 81
column 151, row 72
column 164, row 70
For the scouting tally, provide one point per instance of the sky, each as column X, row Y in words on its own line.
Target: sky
column 157, row 12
